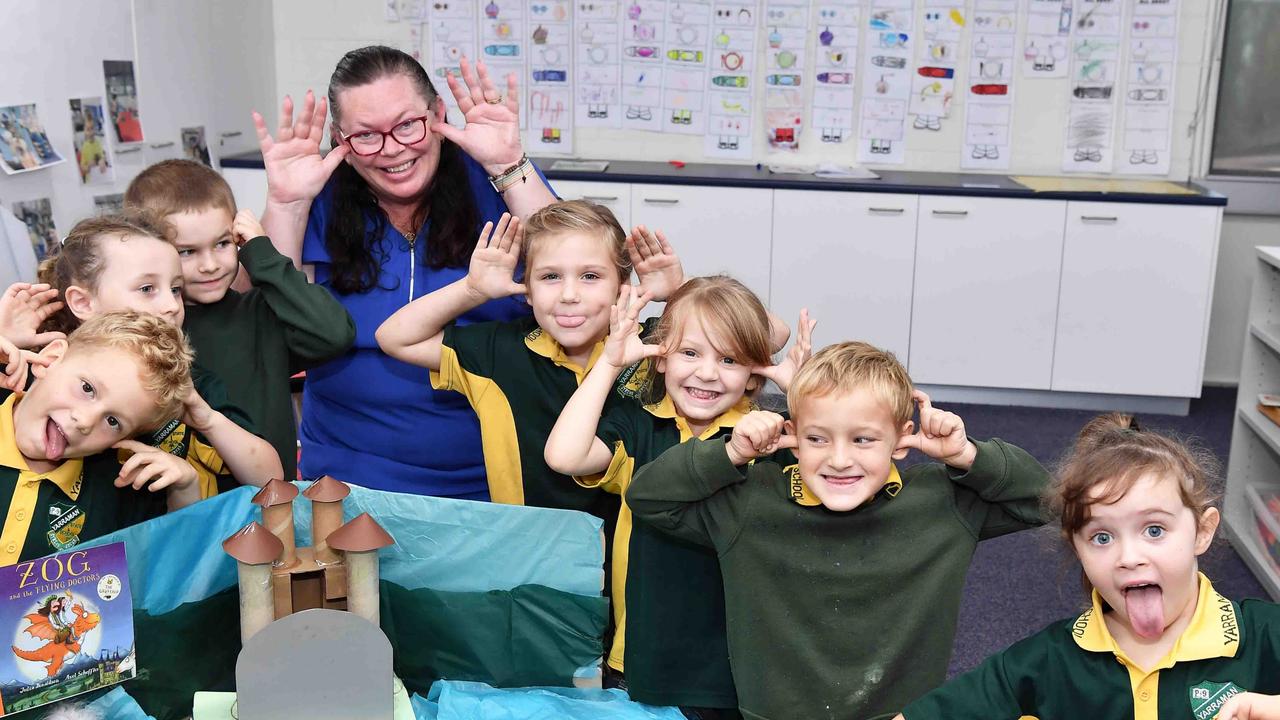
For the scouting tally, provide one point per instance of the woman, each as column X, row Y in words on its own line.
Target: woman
column 390, row 214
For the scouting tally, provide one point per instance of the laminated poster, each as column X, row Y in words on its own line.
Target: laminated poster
column 836, row 26
column 597, row 38
column 731, row 80
column 1044, row 49
column 684, row 77
column 549, row 40
column 643, row 36
column 886, row 83
column 1148, row 97
column 1093, row 82
column 988, row 120
column 786, row 24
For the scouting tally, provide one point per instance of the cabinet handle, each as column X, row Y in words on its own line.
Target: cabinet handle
column 126, row 151
column 662, row 201
column 887, row 210
column 601, row 198
column 161, row 146
column 1099, row 218
column 951, row 213
column 234, row 133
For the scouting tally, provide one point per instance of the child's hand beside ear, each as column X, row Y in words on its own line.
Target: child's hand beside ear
column 246, row 227
column 941, row 435
column 624, row 348
column 13, row 373
column 493, row 263
column 657, row 267
column 158, row 470
column 23, row 308
column 758, row 433
column 782, row 373
column 196, row 413
column 1251, row 706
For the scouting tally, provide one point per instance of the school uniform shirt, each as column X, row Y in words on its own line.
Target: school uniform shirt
column 374, row 420
column 518, row 379
column 830, row 614
column 256, row 340
column 212, row 474
column 670, row 632
column 46, row 513
column 1075, row 669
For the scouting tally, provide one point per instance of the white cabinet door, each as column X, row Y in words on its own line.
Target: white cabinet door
column 713, row 229
column 1136, row 287
column 986, row 291
column 849, row 258
column 244, row 73
column 615, row 196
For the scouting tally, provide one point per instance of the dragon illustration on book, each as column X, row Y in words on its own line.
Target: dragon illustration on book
column 63, row 631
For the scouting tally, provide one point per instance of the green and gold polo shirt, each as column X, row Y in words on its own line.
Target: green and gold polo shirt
column 677, row 653
column 517, row 378
column 1075, row 669
column 76, row 501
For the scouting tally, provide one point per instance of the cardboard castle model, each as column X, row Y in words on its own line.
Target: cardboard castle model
column 338, row 572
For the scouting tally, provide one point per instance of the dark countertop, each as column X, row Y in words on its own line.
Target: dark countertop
column 890, row 181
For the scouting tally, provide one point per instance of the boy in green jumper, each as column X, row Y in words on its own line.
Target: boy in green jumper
column 843, row 577
column 117, row 376
column 256, row 340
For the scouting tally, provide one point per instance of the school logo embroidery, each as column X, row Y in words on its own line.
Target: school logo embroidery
column 65, row 523
column 171, row 438
column 1081, row 624
column 534, row 334
column 1207, row 698
column 633, row 380
column 1227, row 616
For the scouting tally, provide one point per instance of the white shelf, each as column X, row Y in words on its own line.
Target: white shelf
column 1268, row 333
column 1261, row 426
column 1269, row 255
column 1245, row 541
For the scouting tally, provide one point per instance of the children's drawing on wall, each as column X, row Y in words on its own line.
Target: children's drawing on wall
column 1044, row 49
column 989, row 87
column 502, row 40
column 684, row 80
column 933, row 83
column 787, row 37
column 1148, row 99
column 886, row 82
column 835, row 64
column 452, row 32
column 37, row 215
column 733, row 53
column 88, row 120
column 411, row 11
column 108, row 204
column 1095, row 61
column 24, row 144
column 122, row 100
column 194, row 146
column 597, row 36
column 549, row 41
column 643, row 36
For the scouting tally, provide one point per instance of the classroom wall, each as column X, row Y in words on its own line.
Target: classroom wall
column 196, row 62
column 312, row 34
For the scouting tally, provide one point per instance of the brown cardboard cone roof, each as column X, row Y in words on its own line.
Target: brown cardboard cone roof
column 275, row 492
column 327, row 489
column 253, row 544
column 361, row 534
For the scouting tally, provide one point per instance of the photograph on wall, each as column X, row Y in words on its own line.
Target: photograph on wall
column 87, row 123
column 37, row 215
column 194, row 146
column 24, row 144
column 108, row 204
column 122, row 100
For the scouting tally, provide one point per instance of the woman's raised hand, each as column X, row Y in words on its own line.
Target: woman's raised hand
column 492, row 132
column 296, row 172
column 493, row 264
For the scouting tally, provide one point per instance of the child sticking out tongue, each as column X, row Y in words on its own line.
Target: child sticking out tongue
column 1144, row 605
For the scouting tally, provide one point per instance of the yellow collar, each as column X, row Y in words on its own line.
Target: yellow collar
column 666, row 408
column 802, row 495
column 541, row 342
column 66, row 476
column 1214, row 630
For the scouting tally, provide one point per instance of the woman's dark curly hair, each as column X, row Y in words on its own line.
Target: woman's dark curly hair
column 354, row 262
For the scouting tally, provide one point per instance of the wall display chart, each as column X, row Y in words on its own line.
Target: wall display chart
column 597, row 64
column 886, row 83
column 934, row 80
column 787, row 25
column 1095, row 74
column 988, row 132
column 549, row 116
column 1148, row 101
column 838, row 70
column 1044, row 49
column 733, row 54
column 836, row 26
